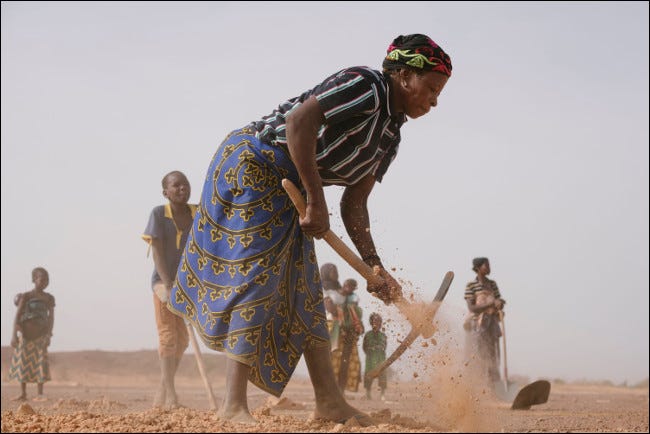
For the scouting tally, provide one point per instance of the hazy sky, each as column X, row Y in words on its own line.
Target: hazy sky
column 536, row 157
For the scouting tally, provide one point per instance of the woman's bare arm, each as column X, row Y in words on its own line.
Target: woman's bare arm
column 354, row 211
column 302, row 132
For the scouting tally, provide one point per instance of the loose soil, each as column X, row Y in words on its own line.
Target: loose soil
column 112, row 392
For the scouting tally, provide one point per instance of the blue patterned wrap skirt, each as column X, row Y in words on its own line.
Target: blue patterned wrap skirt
column 248, row 279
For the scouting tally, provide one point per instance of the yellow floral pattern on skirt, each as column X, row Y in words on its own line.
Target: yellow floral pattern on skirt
column 248, row 279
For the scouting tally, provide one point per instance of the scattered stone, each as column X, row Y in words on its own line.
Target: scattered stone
column 283, row 403
column 352, row 423
column 25, row 409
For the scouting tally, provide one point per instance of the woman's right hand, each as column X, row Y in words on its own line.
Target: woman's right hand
column 14, row 342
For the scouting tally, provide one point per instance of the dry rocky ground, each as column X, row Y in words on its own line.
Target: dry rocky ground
column 97, row 391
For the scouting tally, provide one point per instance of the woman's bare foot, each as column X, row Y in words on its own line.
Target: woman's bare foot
column 174, row 406
column 19, row 398
column 159, row 399
column 340, row 411
column 171, row 400
column 239, row 415
column 39, row 398
column 330, row 403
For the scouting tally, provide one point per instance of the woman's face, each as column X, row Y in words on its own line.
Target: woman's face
column 329, row 272
column 421, row 92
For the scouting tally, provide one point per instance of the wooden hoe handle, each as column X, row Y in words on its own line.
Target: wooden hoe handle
column 351, row 258
column 335, row 242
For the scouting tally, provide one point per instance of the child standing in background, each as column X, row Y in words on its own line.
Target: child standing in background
column 333, row 299
column 166, row 233
column 345, row 359
column 34, row 320
column 374, row 345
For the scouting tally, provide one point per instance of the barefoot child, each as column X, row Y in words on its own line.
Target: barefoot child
column 31, row 336
column 166, row 233
column 374, row 345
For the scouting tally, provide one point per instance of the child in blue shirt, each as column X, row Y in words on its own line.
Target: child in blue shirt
column 166, row 234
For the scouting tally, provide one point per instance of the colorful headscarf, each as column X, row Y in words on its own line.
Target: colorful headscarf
column 419, row 52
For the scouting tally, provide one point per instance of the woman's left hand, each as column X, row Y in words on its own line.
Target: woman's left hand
column 316, row 221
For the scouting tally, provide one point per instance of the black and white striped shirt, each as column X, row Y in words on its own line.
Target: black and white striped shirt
column 475, row 286
column 360, row 135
